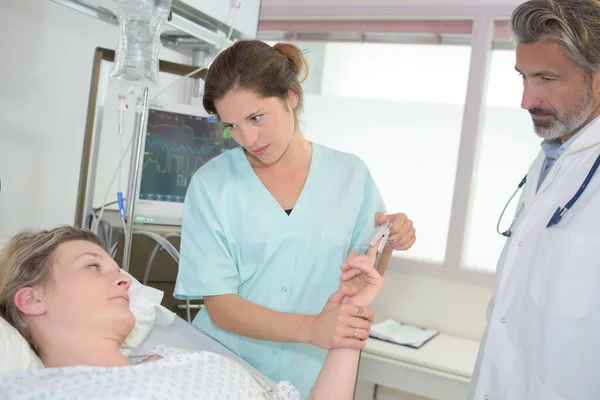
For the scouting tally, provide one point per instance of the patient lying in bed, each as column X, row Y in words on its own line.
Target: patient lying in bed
column 69, row 299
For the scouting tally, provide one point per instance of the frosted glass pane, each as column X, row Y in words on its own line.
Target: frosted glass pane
column 506, row 147
column 415, row 73
column 314, row 54
column 410, row 148
column 398, row 107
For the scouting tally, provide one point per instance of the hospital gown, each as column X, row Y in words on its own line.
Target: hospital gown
column 180, row 375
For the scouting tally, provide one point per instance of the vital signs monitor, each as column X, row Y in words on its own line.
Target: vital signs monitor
column 179, row 139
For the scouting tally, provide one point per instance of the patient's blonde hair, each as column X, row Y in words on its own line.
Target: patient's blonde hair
column 26, row 261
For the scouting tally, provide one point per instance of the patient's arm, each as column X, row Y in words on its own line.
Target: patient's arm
column 337, row 378
column 326, row 329
column 338, row 375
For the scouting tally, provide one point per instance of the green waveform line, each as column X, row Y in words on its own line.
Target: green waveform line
column 186, row 126
column 177, row 162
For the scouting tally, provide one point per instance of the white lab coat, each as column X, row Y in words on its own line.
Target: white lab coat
column 542, row 341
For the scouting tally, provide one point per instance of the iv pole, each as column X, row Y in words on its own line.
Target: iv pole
column 133, row 186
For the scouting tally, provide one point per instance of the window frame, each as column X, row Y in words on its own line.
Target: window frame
column 489, row 31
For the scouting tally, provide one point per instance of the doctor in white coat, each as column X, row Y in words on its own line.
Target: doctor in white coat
column 542, row 340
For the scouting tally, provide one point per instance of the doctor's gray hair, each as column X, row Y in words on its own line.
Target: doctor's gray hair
column 26, row 260
column 574, row 24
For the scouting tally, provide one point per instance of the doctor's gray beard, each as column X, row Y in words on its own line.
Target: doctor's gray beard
column 563, row 125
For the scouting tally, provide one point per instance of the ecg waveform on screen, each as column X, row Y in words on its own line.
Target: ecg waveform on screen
column 174, row 164
column 176, row 146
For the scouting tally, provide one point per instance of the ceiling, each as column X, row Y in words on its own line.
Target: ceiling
column 375, row 3
column 374, row 9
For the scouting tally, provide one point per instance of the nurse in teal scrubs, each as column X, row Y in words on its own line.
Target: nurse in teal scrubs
column 267, row 225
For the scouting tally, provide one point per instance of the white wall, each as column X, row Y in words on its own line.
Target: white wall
column 451, row 306
column 47, row 53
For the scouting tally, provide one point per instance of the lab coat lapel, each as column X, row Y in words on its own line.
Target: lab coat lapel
column 533, row 176
column 590, row 137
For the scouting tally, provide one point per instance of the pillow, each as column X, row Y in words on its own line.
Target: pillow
column 17, row 356
column 144, row 302
column 15, row 353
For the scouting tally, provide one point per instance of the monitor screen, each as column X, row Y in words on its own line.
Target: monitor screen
column 179, row 140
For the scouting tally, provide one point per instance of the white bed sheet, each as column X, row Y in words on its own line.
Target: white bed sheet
column 180, row 334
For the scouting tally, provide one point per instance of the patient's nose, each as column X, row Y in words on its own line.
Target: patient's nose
column 123, row 280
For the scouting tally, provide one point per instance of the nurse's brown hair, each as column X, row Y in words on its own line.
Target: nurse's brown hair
column 254, row 65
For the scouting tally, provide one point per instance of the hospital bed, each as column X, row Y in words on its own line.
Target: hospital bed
column 180, row 334
column 16, row 355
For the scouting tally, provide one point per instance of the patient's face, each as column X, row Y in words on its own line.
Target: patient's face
column 88, row 292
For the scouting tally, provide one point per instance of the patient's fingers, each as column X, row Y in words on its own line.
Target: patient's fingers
column 348, row 291
column 370, row 272
column 352, row 263
column 351, row 255
column 372, row 252
column 346, row 276
column 342, row 292
column 356, row 258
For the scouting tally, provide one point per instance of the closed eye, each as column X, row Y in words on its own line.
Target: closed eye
column 95, row 267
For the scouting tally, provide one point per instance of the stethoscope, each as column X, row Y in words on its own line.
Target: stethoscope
column 560, row 211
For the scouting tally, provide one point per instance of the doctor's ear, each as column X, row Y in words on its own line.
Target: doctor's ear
column 30, row 301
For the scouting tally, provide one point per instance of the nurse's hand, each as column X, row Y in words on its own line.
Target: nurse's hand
column 360, row 274
column 336, row 325
column 402, row 232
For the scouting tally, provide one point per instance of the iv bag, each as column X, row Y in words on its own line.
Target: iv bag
column 140, row 26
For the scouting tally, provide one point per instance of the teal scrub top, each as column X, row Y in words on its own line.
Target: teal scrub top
column 236, row 239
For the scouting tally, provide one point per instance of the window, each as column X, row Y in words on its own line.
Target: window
column 314, row 53
column 399, row 107
column 506, row 147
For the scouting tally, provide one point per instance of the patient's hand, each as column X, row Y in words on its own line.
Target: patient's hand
column 152, row 358
column 360, row 274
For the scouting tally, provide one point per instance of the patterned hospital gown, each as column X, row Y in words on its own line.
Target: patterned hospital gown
column 179, row 375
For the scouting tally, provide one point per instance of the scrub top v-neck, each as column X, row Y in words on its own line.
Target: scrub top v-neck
column 237, row 239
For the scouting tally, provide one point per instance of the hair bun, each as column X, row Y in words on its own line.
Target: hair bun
column 295, row 57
